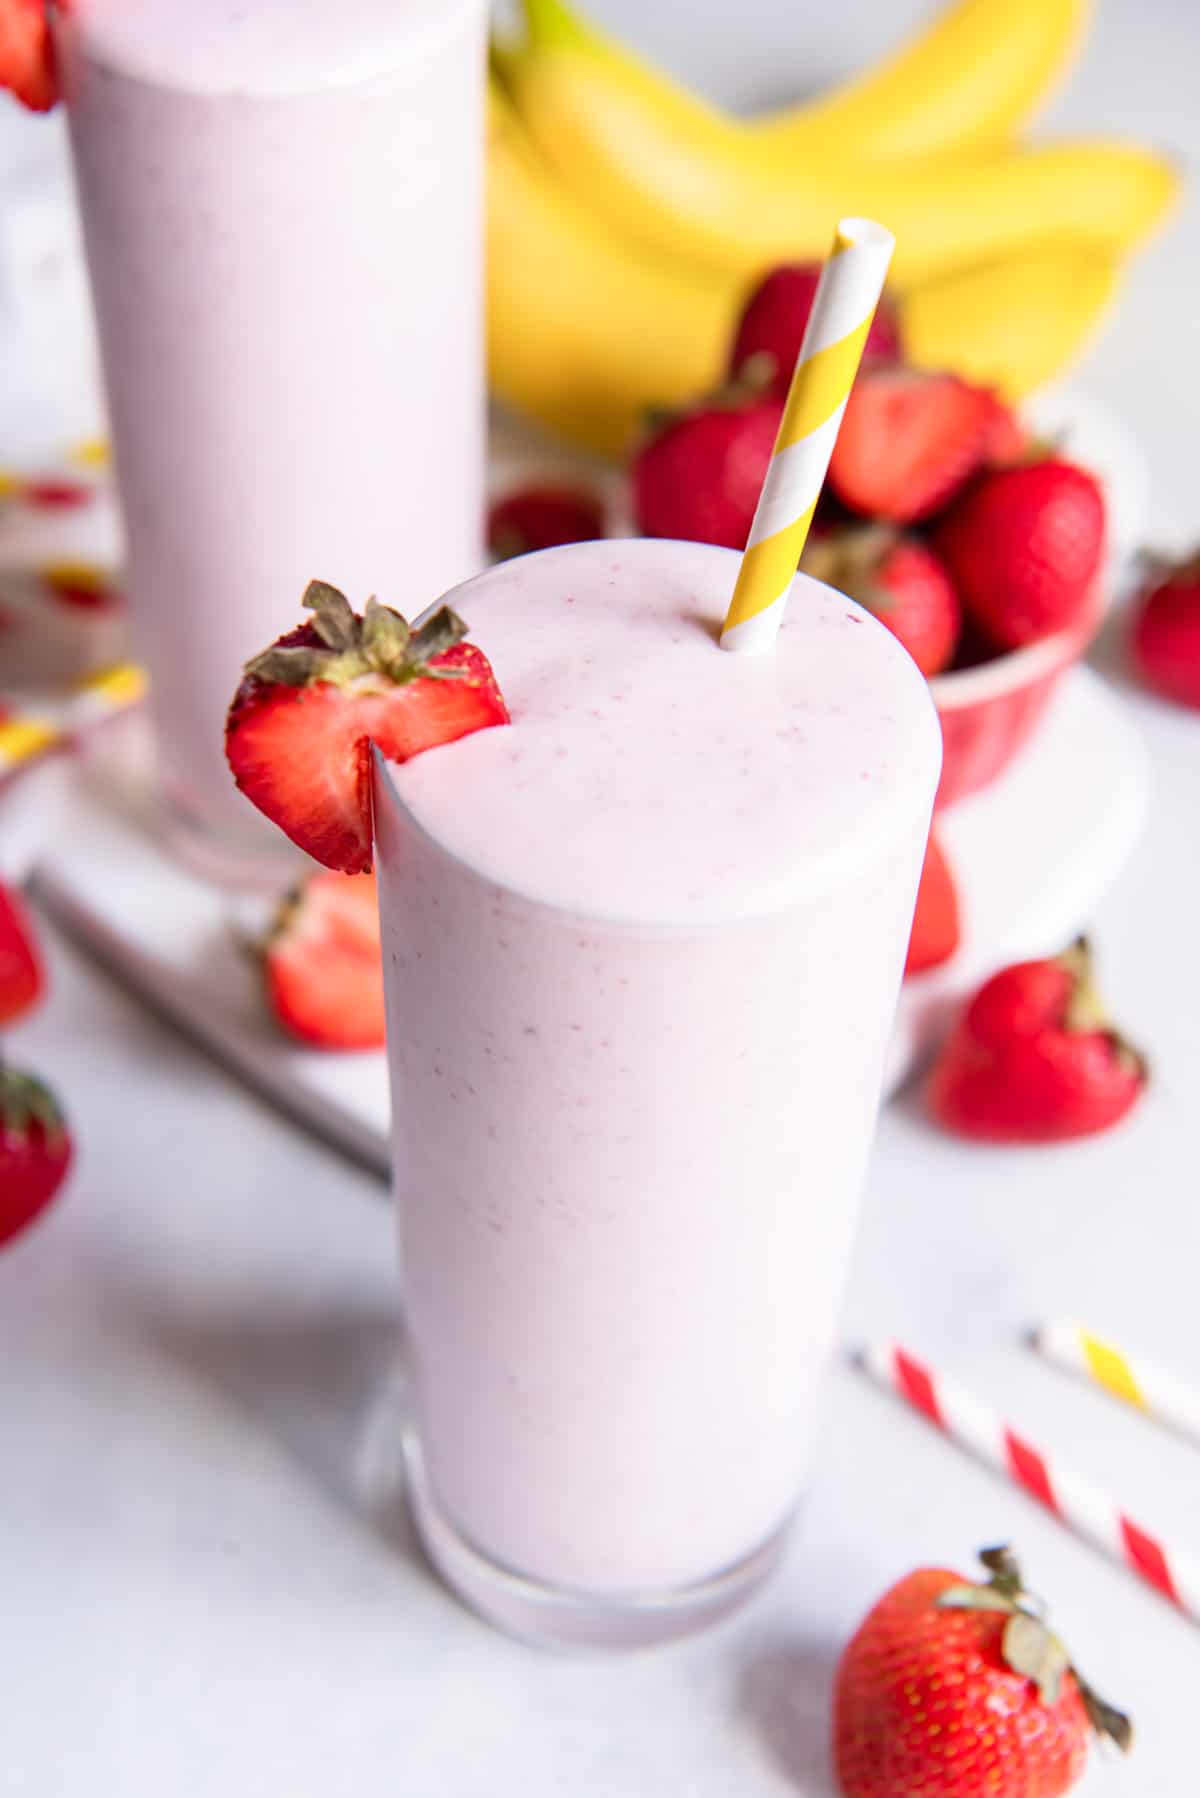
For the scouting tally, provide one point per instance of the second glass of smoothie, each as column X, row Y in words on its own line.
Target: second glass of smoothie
column 282, row 208
column 642, row 951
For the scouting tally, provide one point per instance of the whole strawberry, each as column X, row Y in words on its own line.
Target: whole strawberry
column 1166, row 631
column 954, row 1690
column 22, row 980
column 961, row 1691
column 898, row 578
column 27, row 53
column 699, row 477
column 1024, row 547
column 35, row 1151
column 541, row 518
column 1033, row 1058
column 771, row 329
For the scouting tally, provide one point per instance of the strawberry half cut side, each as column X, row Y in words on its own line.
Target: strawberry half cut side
column 909, row 441
column 300, row 728
column 323, row 966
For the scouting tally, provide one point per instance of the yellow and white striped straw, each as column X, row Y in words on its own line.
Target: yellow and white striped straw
column 1134, row 1379
column 31, row 728
column 844, row 305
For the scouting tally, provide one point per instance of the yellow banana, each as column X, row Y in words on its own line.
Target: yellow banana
column 1012, row 324
column 585, row 333
column 971, row 78
column 731, row 212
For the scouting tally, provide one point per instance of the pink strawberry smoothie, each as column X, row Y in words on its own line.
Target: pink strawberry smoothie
column 281, row 203
column 642, row 951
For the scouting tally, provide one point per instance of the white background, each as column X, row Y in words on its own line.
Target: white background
column 208, row 1586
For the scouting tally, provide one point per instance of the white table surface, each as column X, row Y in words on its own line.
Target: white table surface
column 208, row 1585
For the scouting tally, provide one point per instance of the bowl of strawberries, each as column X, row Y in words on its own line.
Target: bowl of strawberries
column 982, row 547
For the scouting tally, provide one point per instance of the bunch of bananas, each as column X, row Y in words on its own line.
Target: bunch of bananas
column 628, row 219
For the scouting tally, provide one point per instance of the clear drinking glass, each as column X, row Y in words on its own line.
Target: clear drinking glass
column 642, row 952
column 282, row 211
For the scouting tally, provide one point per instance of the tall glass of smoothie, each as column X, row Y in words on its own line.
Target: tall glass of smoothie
column 642, row 951
column 281, row 203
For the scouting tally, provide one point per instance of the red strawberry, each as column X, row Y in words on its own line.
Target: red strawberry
column 27, row 53
column 1024, row 547
column 954, row 1690
column 1034, row 1059
column 1007, row 440
column 699, row 478
column 1166, row 631
column 541, row 517
column 322, row 963
column 301, row 724
column 900, row 580
column 935, row 930
column 22, row 979
column 908, row 441
column 35, row 1150
column 771, row 329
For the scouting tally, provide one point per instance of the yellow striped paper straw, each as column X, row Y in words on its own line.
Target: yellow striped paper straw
column 844, row 305
column 1134, row 1379
column 31, row 728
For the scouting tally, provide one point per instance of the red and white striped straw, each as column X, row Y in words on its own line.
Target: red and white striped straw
column 1073, row 1499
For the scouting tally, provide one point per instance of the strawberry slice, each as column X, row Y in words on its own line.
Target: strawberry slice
column 322, row 964
column 908, row 442
column 301, row 724
column 35, row 1151
column 936, row 930
column 22, row 980
column 27, row 54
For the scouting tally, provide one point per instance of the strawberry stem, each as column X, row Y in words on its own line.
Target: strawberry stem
column 1086, row 1012
column 25, row 1101
column 380, row 643
column 1028, row 1645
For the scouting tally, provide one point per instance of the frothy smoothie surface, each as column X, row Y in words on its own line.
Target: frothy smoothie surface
column 649, row 775
column 259, row 47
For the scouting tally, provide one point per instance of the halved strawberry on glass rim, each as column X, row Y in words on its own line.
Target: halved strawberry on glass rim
column 300, row 729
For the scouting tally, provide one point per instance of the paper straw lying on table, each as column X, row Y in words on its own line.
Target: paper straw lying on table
column 31, row 728
column 60, row 485
column 1133, row 1379
column 842, row 310
column 1073, row 1499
